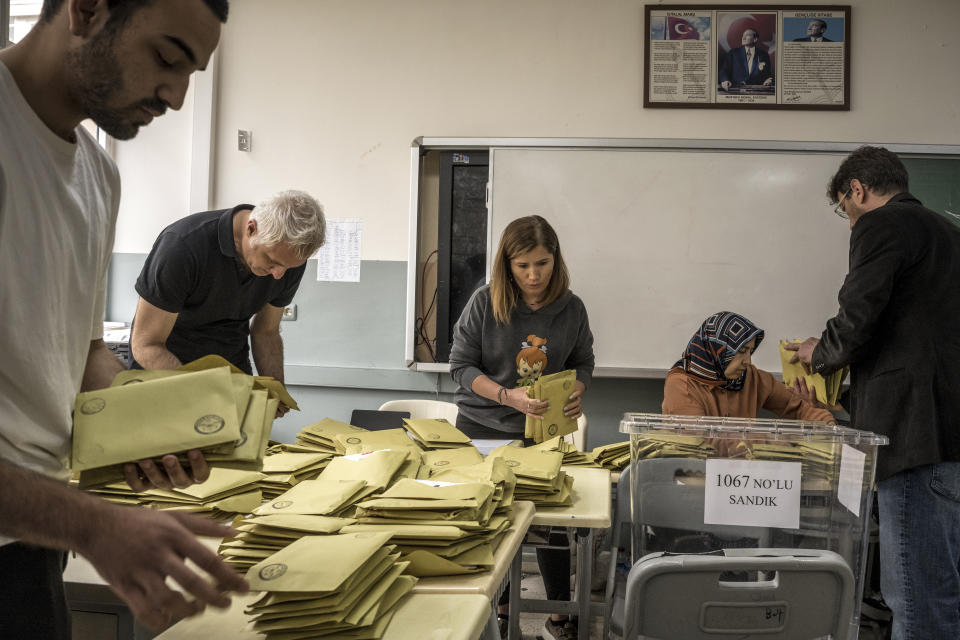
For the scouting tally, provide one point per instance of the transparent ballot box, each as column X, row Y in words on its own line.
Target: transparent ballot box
column 699, row 485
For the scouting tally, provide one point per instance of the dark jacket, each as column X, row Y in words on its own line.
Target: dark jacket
column 734, row 67
column 899, row 329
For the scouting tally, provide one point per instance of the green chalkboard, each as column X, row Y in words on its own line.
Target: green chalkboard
column 936, row 181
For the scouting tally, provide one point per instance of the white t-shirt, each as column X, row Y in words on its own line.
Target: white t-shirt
column 58, row 211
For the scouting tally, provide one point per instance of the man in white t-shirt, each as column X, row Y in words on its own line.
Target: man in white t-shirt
column 120, row 63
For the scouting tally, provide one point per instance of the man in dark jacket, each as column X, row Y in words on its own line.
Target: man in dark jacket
column 897, row 328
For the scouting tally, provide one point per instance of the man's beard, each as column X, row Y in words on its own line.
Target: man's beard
column 95, row 76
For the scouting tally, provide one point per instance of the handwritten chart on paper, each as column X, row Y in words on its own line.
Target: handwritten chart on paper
column 339, row 258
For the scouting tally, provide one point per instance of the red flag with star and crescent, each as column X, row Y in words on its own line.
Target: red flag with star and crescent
column 680, row 29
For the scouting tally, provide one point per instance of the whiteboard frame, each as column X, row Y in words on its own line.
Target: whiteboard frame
column 422, row 144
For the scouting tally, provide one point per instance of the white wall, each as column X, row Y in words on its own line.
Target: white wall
column 155, row 174
column 335, row 90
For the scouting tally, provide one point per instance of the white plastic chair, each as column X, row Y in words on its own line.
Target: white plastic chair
column 579, row 437
column 424, row 409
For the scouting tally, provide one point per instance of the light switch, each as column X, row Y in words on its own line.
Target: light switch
column 244, row 140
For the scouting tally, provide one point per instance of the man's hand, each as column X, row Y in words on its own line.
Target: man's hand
column 146, row 474
column 136, row 549
column 282, row 410
column 768, row 82
column 518, row 399
column 725, row 85
column 804, row 351
column 574, row 408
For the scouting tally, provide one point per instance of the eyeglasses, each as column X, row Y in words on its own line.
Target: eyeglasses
column 839, row 208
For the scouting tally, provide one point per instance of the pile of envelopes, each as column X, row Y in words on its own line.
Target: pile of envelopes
column 207, row 404
column 614, row 456
column 337, row 586
column 284, row 469
column 435, row 433
column 827, row 387
column 259, row 537
column 342, row 483
column 443, row 459
column 225, row 493
column 666, row 445
column 572, row 457
column 320, row 436
column 556, row 389
column 448, row 525
column 539, row 477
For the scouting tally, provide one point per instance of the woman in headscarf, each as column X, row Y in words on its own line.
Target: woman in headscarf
column 715, row 377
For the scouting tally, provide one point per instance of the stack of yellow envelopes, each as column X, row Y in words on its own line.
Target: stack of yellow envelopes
column 614, row 456
column 337, row 586
column 442, row 527
column 320, row 435
column 225, row 493
column 572, row 457
column 344, row 481
column 555, row 389
column 441, row 459
column 435, row 433
column 170, row 414
column 283, row 470
column 374, row 441
column 207, row 404
column 260, row 537
column 539, row 477
column 827, row 387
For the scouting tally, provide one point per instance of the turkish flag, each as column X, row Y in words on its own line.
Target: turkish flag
column 680, row 29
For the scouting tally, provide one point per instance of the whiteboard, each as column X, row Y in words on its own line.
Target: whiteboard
column 657, row 240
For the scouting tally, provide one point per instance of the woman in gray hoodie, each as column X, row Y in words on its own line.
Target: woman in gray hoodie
column 524, row 324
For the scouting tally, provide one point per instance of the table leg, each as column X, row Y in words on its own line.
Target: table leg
column 513, row 627
column 584, row 578
column 492, row 630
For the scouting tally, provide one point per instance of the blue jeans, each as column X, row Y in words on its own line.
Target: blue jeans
column 920, row 551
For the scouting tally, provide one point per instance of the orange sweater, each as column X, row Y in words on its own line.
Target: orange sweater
column 687, row 395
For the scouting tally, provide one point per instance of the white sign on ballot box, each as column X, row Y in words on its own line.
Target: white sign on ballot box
column 752, row 493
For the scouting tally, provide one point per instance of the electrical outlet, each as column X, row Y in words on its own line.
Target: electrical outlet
column 289, row 313
column 244, row 140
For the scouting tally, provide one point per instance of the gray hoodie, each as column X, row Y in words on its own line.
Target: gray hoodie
column 534, row 343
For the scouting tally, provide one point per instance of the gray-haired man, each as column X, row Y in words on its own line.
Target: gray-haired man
column 215, row 280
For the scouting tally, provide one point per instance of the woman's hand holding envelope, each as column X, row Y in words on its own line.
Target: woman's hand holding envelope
column 518, row 399
column 135, row 550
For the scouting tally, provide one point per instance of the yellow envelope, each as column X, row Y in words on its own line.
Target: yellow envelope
column 277, row 390
column 827, row 388
column 442, row 459
column 133, row 376
column 375, row 440
column 533, row 463
column 315, row 563
column 375, row 469
column 315, row 497
column 298, row 524
column 435, row 430
column 556, row 389
column 168, row 415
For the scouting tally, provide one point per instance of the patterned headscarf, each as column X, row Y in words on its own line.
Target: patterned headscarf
column 711, row 349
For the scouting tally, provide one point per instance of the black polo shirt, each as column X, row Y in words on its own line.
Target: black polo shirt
column 193, row 270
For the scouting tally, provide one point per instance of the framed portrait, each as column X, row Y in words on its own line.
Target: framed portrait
column 747, row 56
